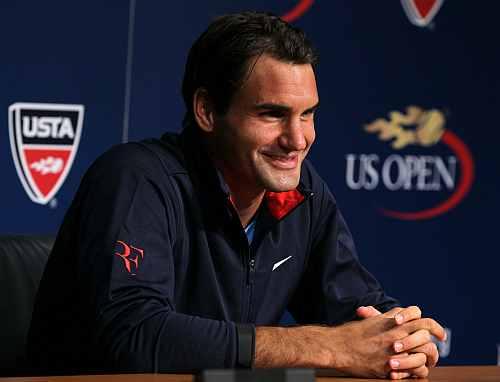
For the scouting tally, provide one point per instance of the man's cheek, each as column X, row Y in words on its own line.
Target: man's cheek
column 310, row 136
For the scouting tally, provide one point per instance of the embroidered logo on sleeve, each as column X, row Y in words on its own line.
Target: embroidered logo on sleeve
column 131, row 256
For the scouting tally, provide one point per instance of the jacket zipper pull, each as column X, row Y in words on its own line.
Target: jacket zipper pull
column 251, row 269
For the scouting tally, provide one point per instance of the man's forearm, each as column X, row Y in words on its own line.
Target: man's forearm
column 298, row 346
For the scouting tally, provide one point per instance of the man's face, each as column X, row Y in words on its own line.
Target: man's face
column 268, row 129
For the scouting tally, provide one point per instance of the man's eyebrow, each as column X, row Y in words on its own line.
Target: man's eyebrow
column 313, row 108
column 272, row 106
column 280, row 107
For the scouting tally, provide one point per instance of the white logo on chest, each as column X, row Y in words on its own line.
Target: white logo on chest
column 276, row 265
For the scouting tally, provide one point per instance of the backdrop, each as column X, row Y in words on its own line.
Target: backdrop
column 406, row 133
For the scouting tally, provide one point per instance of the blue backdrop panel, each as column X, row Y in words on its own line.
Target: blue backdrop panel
column 433, row 87
column 64, row 53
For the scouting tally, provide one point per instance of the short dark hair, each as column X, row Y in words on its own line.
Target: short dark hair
column 219, row 59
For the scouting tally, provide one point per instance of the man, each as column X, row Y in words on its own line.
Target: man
column 183, row 253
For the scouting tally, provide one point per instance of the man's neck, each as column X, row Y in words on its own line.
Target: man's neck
column 246, row 205
column 245, row 198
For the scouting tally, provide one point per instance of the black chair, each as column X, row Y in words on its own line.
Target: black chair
column 22, row 260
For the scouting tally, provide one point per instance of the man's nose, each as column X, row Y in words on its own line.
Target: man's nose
column 292, row 136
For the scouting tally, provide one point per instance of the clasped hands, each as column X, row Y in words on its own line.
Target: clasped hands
column 411, row 351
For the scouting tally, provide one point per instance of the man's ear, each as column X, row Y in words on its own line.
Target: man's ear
column 203, row 110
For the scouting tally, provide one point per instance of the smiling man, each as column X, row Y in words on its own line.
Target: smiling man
column 260, row 142
column 183, row 253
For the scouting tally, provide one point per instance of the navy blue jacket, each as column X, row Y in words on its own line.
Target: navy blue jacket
column 152, row 271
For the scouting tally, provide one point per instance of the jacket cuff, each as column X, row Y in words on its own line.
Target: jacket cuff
column 246, row 345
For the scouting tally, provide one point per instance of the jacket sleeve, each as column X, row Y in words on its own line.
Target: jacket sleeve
column 335, row 283
column 127, row 266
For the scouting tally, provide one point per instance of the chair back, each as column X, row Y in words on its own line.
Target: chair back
column 22, row 260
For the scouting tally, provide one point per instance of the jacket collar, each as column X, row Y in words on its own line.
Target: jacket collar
column 209, row 180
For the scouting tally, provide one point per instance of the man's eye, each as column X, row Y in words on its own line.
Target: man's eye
column 272, row 114
column 307, row 114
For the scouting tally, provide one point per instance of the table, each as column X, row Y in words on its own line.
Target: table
column 439, row 374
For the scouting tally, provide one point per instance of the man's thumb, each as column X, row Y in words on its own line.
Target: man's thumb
column 367, row 312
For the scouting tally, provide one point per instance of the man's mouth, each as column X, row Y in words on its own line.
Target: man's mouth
column 283, row 162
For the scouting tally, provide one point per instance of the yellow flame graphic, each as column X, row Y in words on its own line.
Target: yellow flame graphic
column 430, row 127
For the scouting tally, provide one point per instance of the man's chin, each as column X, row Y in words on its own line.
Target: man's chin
column 282, row 183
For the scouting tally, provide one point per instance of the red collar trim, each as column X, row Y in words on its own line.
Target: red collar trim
column 282, row 203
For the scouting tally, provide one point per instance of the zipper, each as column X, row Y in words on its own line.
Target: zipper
column 249, row 261
column 250, row 277
column 252, row 265
column 251, row 270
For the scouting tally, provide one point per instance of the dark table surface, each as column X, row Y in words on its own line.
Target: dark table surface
column 439, row 374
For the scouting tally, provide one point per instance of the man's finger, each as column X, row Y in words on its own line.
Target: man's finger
column 429, row 324
column 408, row 314
column 391, row 313
column 419, row 338
column 399, row 375
column 419, row 372
column 431, row 351
column 367, row 312
column 412, row 361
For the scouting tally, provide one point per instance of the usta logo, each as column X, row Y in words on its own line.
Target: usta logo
column 44, row 139
column 45, row 127
column 421, row 12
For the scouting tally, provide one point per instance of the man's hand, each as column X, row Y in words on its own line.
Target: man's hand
column 400, row 331
column 361, row 348
column 418, row 342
